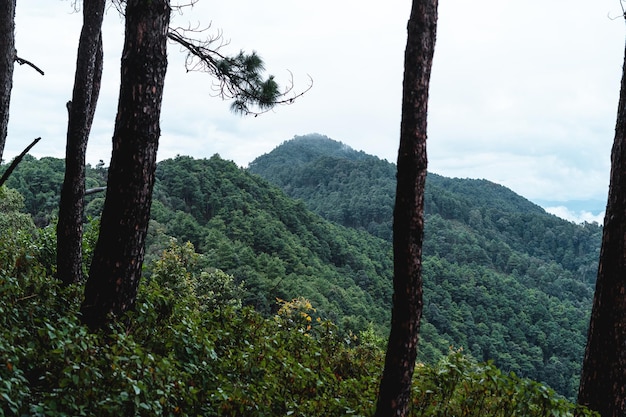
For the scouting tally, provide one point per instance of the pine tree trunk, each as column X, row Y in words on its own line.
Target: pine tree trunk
column 115, row 271
column 603, row 380
column 408, row 226
column 7, row 63
column 81, row 112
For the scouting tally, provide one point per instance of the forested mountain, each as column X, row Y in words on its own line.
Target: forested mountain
column 247, row 228
column 503, row 279
column 358, row 192
column 250, row 229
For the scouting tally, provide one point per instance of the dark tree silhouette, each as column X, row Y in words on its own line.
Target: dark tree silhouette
column 8, row 57
column 238, row 78
column 115, row 271
column 603, row 380
column 408, row 224
column 80, row 113
column 118, row 256
column 7, row 63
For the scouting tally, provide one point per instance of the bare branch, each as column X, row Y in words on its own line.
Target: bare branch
column 120, row 5
column 16, row 161
column 28, row 297
column 94, row 190
column 22, row 61
column 179, row 7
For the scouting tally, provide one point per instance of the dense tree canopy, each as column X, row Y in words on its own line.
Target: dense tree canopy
column 482, row 234
column 191, row 350
column 481, row 241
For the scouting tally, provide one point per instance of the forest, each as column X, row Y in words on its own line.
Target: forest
column 497, row 268
column 303, row 235
column 294, row 286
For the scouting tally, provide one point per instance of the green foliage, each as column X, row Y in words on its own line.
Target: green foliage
column 185, row 361
column 340, row 184
column 252, row 231
column 11, row 216
column 241, row 78
column 39, row 181
column 458, row 386
column 181, row 273
column 502, row 278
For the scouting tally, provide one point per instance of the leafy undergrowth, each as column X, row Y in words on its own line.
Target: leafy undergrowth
column 173, row 356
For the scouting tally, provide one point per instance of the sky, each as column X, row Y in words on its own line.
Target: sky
column 523, row 93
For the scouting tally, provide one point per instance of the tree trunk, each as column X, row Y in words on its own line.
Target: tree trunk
column 408, row 226
column 603, row 380
column 115, row 271
column 7, row 63
column 81, row 112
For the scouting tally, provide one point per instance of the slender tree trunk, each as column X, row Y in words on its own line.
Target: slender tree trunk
column 115, row 271
column 7, row 63
column 81, row 112
column 603, row 380
column 408, row 225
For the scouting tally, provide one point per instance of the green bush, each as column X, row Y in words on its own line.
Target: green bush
column 458, row 386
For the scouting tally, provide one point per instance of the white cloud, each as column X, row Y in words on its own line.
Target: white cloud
column 576, row 217
column 522, row 93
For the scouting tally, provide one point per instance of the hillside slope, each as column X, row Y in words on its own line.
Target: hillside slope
column 503, row 278
column 251, row 229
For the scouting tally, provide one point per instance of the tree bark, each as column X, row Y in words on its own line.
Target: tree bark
column 115, row 271
column 408, row 226
column 603, row 380
column 81, row 112
column 7, row 63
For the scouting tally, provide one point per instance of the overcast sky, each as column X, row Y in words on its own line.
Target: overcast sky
column 523, row 93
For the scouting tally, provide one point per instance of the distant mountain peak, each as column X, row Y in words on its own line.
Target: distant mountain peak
column 306, row 148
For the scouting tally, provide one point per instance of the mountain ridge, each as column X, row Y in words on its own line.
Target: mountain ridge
column 478, row 235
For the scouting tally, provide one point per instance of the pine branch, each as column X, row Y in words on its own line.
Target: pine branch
column 238, row 78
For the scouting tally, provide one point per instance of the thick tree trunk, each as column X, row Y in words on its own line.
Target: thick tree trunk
column 408, row 226
column 603, row 379
column 81, row 112
column 115, row 271
column 7, row 63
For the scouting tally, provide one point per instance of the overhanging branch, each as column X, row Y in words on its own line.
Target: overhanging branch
column 238, row 77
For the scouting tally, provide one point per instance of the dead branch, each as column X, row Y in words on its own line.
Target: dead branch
column 179, row 7
column 16, row 161
column 22, row 61
column 94, row 190
column 26, row 297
